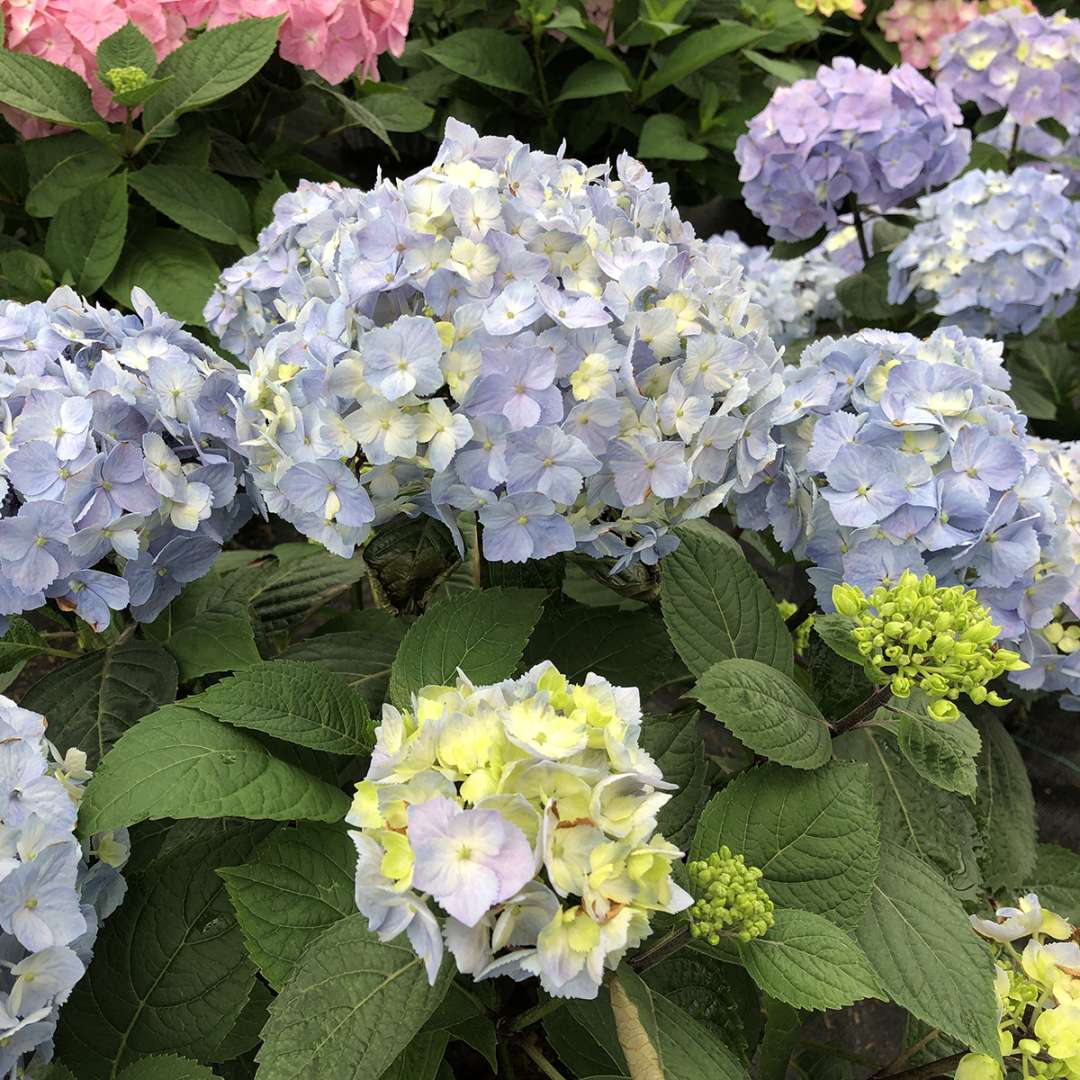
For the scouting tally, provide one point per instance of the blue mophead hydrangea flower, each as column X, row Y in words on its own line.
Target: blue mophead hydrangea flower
column 114, row 433
column 850, row 133
column 908, row 454
column 995, row 253
column 796, row 294
column 507, row 331
column 54, row 890
column 1024, row 62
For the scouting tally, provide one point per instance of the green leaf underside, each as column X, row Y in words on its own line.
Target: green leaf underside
column 180, row 763
column 352, row 1005
column 717, row 608
column 299, row 882
column 813, row 834
column 767, row 712
column 809, row 962
column 927, row 958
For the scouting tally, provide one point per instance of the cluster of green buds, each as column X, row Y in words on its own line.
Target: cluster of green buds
column 1066, row 639
column 916, row 636
column 801, row 635
column 1038, row 994
column 729, row 901
column 123, row 80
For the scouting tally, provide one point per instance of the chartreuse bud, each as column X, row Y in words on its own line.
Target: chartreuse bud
column 730, row 902
column 125, row 79
column 802, row 631
column 917, row 636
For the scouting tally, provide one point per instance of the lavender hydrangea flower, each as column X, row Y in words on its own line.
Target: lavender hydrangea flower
column 850, row 134
column 107, row 450
column 52, row 896
column 795, row 295
column 1056, row 156
column 1020, row 61
column 995, row 253
column 506, row 331
column 917, row 460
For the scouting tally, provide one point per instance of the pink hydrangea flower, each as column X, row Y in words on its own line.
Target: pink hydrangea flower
column 916, row 27
column 331, row 37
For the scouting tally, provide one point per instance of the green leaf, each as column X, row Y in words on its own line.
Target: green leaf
column 792, row 249
column 297, row 702
column 809, row 962
column 357, row 113
column 839, row 686
column 591, row 40
column 196, row 199
column 944, row 754
column 299, row 882
column 783, row 1026
column 180, row 763
column 246, row 1033
column 399, row 110
column 208, row 67
column 28, row 275
column 483, row 633
column 835, row 631
column 173, row 266
column 362, row 657
column 206, row 630
column 766, row 712
column 663, row 135
column 1045, row 377
column 934, row 824
column 698, row 49
column 593, row 79
column 126, row 48
column 1056, row 879
column 166, row 1067
column 787, row 71
column 677, row 748
column 86, row 235
column 170, row 974
column 407, row 561
column 352, row 1004
column 73, row 162
column 491, row 57
column 47, row 90
column 629, row 648
column 814, row 834
column 1004, row 807
column 142, row 94
column 927, row 958
column 863, row 295
column 420, row 1060
column 659, row 1039
column 716, row 607
column 91, row 702
column 19, row 644
column 987, row 156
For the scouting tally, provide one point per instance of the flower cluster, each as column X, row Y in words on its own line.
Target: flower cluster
column 939, row 641
column 1057, row 156
column 851, row 134
column 113, row 443
column 53, row 896
column 332, row 37
column 917, row 26
column 506, row 331
column 1024, row 62
column 995, row 253
column 729, row 901
column 796, row 294
column 1038, row 993
column 1053, row 652
column 527, row 811
column 907, row 454
column 852, row 8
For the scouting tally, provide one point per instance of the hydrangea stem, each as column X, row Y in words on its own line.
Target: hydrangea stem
column 542, row 1062
column 856, row 218
column 864, row 711
column 535, row 1014
column 670, row 943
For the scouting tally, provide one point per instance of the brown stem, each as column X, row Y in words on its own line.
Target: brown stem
column 906, row 1055
column 864, row 711
column 801, row 614
column 942, row 1067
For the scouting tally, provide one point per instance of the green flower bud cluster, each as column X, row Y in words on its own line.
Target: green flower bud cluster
column 802, row 631
column 917, row 636
column 1066, row 639
column 730, row 902
column 125, row 79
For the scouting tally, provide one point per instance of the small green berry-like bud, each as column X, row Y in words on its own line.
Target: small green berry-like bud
column 125, row 79
column 730, row 902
